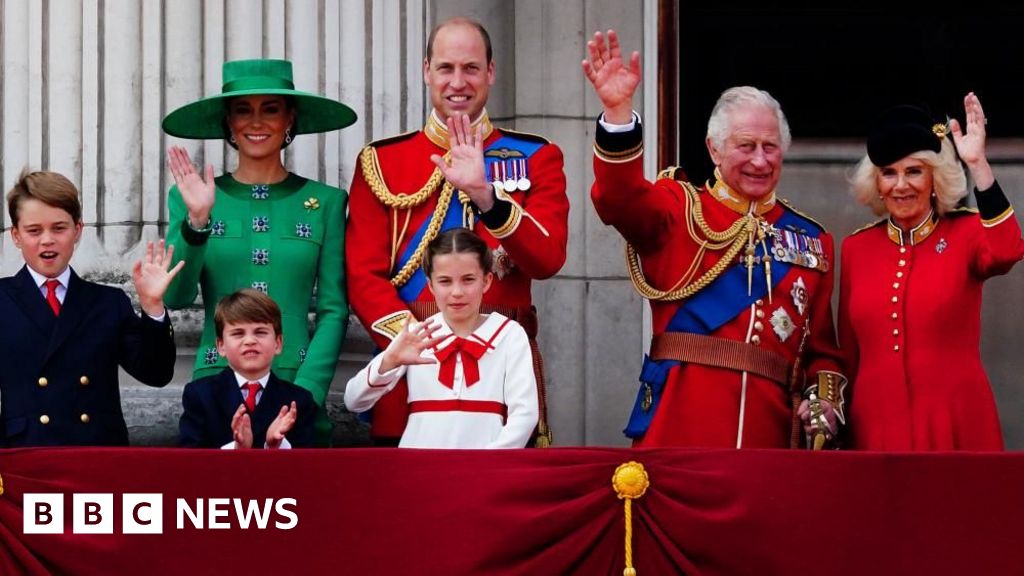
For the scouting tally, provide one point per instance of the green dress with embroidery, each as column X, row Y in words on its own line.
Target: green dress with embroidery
column 283, row 239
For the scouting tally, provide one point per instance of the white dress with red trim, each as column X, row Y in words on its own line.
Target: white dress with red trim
column 480, row 393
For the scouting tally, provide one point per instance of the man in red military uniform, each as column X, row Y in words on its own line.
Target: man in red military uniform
column 506, row 186
column 740, row 284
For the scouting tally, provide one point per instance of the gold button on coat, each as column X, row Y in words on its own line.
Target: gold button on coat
column 84, row 380
column 43, row 381
column 84, row 418
column 755, row 339
column 44, row 419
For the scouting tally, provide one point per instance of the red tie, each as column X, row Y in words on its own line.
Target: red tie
column 51, row 296
column 470, row 350
column 250, row 398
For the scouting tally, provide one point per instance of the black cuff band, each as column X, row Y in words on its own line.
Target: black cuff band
column 992, row 203
column 193, row 236
column 619, row 144
column 498, row 215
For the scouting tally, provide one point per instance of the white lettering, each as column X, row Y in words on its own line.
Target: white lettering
column 281, row 510
column 218, row 509
column 185, row 510
column 253, row 510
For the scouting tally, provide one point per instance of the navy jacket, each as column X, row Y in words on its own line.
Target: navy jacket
column 211, row 402
column 59, row 374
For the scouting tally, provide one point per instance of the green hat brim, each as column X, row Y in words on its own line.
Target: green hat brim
column 204, row 119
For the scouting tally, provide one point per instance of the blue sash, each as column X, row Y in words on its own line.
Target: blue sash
column 707, row 311
column 411, row 290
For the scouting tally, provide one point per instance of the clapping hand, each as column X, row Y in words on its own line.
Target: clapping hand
column 614, row 83
column 465, row 165
column 281, row 425
column 151, row 277
column 407, row 347
column 241, row 428
column 196, row 192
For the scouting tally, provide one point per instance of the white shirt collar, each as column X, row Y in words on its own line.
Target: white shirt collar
column 242, row 380
column 40, row 280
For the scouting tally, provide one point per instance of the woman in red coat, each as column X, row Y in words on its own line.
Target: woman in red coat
column 910, row 288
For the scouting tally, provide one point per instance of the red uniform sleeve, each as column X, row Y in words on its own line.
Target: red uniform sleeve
column 645, row 214
column 822, row 351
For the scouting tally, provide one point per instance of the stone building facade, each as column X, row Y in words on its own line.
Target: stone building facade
column 86, row 83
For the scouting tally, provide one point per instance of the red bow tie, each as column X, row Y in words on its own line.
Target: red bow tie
column 470, row 350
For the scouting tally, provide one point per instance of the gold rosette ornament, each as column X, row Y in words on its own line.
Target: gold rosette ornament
column 630, row 482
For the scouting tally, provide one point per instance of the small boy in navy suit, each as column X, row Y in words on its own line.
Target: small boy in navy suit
column 245, row 405
column 63, row 338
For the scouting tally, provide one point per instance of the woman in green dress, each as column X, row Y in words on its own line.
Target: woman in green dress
column 261, row 226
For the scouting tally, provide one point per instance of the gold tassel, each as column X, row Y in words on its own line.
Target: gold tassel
column 630, row 482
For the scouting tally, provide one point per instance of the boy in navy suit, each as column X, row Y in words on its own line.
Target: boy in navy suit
column 63, row 338
column 245, row 405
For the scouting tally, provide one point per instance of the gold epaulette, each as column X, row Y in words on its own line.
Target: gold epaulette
column 869, row 226
column 671, row 173
column 790, row 207
column 961, row 211
column 526, row 135
column 393, row 139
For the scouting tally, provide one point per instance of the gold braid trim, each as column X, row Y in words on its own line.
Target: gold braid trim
column 371, row 172
column 735, row 237
column 443, row 203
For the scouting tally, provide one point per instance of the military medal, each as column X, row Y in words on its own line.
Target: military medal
column 798, row 248
column 502, row 262
column 510, row 179
column 799, row 294
column 782, row 324
column 495, row 177
column 941, row 246
column 524, row 183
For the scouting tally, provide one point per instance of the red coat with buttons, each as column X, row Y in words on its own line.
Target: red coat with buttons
column 910, row 329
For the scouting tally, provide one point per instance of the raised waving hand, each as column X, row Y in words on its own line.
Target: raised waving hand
column 197, row 192
column 613, row 81
column 970, row 144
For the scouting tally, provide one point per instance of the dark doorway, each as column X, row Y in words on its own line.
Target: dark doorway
column 833, row 69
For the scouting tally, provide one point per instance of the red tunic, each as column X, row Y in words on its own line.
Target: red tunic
column 910, row 328
column 705, row 405
column 536, row 247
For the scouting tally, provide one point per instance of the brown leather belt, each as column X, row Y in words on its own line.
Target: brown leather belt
column 722, row 353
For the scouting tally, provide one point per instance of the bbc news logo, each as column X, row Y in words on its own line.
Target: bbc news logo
column 144, row 513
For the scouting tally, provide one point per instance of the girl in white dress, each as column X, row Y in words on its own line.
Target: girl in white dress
column 470, row 375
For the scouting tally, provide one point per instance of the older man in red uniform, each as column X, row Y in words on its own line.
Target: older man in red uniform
column 740, row 284
column 506, row 186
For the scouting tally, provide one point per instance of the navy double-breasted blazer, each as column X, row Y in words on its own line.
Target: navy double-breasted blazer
column 59, row 374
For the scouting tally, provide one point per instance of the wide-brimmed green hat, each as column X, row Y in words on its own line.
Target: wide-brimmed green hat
column 205, row 119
